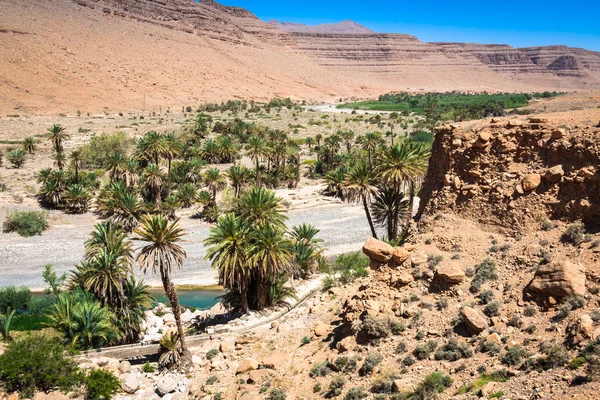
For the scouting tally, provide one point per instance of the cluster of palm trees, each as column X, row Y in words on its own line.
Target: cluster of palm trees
column 382, row 178
column 253, row 253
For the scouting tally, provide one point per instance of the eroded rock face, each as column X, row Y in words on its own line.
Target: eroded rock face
column 474, row 320
column 378, row 250
column 559, row 278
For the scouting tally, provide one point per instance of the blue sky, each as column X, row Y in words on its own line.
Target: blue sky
column 523, row 23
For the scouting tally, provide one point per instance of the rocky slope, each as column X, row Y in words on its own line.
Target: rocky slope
column 343, row 27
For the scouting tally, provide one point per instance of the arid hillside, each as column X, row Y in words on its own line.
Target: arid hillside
column 59, row 56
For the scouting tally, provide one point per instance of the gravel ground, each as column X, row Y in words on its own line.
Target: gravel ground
column 343, row 228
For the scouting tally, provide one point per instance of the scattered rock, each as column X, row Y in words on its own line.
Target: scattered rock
column 490, row 388
column 274, row 325
column 346, row 344
column 402, row 385
column 249, row 364
column 321, row 329
column 275, row 360
column 166, row 385
column 554, row 174
column 559, row 278
column 450, row 273
column 531, row 182
column 475, row 321
column 378, row 250
column 129, row 383
column 558, row 133
column 226, row 347
column 125, row 367
column 400, row 255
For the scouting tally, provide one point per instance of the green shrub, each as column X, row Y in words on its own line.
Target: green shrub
column 335, row 386
column 408, row 361
column 529, row 311
column 97, row 152
column 320, row 369
column 356, row 393
column 14, row 298
column 453, row 351
column 514, row 355
column 397, row 327
column 277, row 394
column 492, row 309
column 432, row 385
column 37, row 362
column 374, row 328
column 17, row 158
column 486, row 296
column 401, row 347
column 489, row 347
column 423, row 351
column 574, row 234
column 485, row 271
column 101, row 385
column 345, row 364
column 26, row 223
column 211, row 380
column 147, row 368
column 212, row 353
column 305, row 340
column 371, row 361
column 555, row 356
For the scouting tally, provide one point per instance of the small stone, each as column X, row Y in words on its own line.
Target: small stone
column 400, row 255
column 226, row 347
column 129, row 383
column 450, row 273
column 166, row 385
column 346, row 344
column 321, row 329
column 554, row 174
column 125, row 367
column 378, row 250
column 558, row 133
column 274, row 325
column 475, row 321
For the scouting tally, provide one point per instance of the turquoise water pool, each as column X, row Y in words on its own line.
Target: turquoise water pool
column 201, row 299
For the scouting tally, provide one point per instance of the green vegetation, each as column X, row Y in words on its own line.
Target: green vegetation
column 26, row 223
column 449, row 106
column 477, row 384
column 97, row 153
column 17, row 158
column 101, row 385
column 346, row 269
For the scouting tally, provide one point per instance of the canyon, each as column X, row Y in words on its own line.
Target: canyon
column 126, row 55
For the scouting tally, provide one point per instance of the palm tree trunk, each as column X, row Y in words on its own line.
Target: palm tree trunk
column 169, row 178
column 396, row 210
column 244, row 300
column 76, row 174
column 365, row 205
column 172, row 295
column 257, row 175
column 411, row 191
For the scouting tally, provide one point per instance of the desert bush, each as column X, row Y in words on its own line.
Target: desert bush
column 423, row 351
column 401, row 347
column 531, row 328
column 453, row 351
column 432, row 385
column 515, row 321
column 408, row 361
column 320, row 369
column 277, row 394
column 17, row 158
column 346, row 269
column 529, row 311
column 305, row 340
column 489, row 347
column 14, row 299
column 555, row 356
column 486, row 296
column 345, row 364
column 371, row 361
column 356, row 393
column 335, row 386
column 211, row 380
column 26, row 223
column 37, row 362
column 147, row 368
column 442, row 303
column 492, row 309
column 514, row 355
column 574, row 234
column 485, row 271
column 212, row 353
column 101, row 385
column 97, row 152
column 374, row 328
column 383, row 383
column 397, row 327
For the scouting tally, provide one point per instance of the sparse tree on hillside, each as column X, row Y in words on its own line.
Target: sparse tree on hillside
column 29, row 145
column 359, row 186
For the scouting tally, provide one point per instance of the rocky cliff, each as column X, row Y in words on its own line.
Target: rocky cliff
column 515, row 173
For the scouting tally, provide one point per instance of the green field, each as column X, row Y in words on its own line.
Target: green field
column 454, row 106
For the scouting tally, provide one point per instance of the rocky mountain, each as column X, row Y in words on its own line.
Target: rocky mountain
column 340, row 27
column 64, row 55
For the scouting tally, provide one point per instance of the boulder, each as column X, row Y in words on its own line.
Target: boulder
column 531, row 182
column 378, row 250
column 490, row 388
column 129, row 383
column 346, row 344
column 474, row 321
column 125, row 367
column 249, row 364
column 450, row 273
column 166, row 385
column 321, row 329
column 197, row 360
column 247, row 395
column 559, row 278
column 494, row 338
column 227, row 347
column 554, row 174
column 400, row 255
column 418, row 258
column 558, row 133
column 485, row 136
column 197, row 387
column 401, row 277
column 402, row 386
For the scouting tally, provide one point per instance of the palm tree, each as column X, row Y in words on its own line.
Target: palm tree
column 359, row 186
column 259, row 207
column 271, row 254
column 210, row 151
column 335, row 180
column 131, row 313
column 194, row 174
column 173, row 148
column 163, row 253
column 369, row 143
column 386, row 205
column 116, row 165
column 29, row 145
column 57, row 135
column 6, row 322
column 77, row 199
column 110, row 236
column 309, row 141
column 318, row 138
column 238, row 177
column 60, row 160
column 120, row 204
column 257, row 148
column 214, row 181
column 153, row 180
column 155, row 146
column 76, row 160
column 347, row 137
column 227, row 149
column 228, row 252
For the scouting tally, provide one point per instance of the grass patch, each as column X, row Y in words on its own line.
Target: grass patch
column 477, row 384
column 29, row 323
